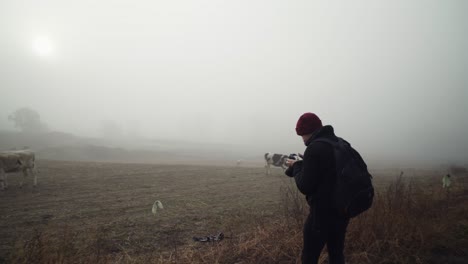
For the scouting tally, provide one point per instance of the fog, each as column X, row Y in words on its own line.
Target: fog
column 390, row 76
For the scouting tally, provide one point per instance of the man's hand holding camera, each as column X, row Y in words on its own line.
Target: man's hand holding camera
column 292, row 158
column 290, row 162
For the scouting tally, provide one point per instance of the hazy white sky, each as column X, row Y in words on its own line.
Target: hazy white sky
column 391, row 76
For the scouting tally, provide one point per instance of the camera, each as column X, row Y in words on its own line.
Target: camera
column 295, row 156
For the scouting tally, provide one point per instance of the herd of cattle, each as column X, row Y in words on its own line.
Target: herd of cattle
column 24, row 161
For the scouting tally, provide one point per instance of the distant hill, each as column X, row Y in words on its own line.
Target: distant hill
column 19, row 140
column 65, row 146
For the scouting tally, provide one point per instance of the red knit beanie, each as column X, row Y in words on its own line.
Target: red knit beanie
column 307, row 124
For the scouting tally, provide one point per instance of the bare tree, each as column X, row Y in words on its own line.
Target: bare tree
column 27, row 120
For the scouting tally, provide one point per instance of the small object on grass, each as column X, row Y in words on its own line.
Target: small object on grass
column 218, row 237
column 157, row 204
column 446, row 182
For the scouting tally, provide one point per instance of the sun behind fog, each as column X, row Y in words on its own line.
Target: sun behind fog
column 43, row 46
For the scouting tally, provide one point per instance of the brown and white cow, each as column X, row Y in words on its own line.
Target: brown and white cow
column 16, row 161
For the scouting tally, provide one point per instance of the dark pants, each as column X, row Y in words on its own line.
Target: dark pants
column 323, row 228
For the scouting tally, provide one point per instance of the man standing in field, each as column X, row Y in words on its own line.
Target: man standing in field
column 315, row 177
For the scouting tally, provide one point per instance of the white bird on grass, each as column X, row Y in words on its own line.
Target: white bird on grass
column 157, row 204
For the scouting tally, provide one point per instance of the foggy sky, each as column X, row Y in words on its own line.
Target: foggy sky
column 390, row 76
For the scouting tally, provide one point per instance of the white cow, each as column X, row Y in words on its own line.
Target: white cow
column 15, row 161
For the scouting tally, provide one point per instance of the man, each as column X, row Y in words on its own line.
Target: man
column 315, row 176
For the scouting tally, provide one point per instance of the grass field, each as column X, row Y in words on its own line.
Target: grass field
column 101, row 213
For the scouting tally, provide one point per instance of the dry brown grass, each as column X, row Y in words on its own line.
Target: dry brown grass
column 409, row 223
column 412, row 221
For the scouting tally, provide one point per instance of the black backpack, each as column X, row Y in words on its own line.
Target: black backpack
column 353, row 192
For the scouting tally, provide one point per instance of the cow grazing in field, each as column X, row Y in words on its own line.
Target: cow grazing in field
column 15, row 161
column 274, row 159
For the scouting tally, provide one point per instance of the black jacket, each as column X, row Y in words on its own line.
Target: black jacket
column 315, row 174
